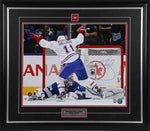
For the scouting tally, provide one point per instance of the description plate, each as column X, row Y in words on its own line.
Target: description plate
column 74, row 113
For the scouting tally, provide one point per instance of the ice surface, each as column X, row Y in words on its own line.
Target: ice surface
column 71, row 102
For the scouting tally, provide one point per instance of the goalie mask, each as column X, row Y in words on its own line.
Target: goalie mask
column 69, row 81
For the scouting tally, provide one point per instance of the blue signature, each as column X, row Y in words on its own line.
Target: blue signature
column 108, row 65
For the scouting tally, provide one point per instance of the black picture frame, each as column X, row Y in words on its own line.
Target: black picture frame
column 137, row 76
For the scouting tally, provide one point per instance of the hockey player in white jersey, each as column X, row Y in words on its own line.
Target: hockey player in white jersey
column 70, row 60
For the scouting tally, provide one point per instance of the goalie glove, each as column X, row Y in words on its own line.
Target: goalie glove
column 36, row 37
column 99, row 91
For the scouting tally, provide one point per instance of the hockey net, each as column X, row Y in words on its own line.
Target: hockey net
column 104, row 64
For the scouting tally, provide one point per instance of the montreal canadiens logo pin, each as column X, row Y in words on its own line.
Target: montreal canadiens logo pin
column 74, row 17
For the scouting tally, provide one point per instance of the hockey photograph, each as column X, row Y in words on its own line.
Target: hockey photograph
column 74, row 64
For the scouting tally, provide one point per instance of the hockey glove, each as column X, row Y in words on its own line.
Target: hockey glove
column 100, row 92
column 83, row 31
column 36, row 37
column 61, row 96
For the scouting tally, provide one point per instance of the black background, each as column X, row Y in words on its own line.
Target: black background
column 133, row 79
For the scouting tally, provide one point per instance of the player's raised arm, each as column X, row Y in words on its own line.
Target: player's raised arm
column 48, row 44
column 80, row 38
column 42, row 42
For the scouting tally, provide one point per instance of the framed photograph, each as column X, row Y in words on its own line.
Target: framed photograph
column 70, row 65
column 103, row 63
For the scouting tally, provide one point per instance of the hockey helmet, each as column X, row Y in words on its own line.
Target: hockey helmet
column 69, row 80
column 61, row 38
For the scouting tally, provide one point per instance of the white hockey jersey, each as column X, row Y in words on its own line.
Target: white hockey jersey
column 66, row 50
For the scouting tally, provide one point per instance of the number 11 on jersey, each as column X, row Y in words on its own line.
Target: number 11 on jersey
column 68, row 48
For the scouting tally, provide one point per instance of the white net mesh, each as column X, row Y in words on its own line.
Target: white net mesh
column 103, row 65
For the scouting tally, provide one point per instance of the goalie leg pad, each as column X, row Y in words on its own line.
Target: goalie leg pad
column 113, row 93
column 47, row 92
column 89, row 83
column 72, row 96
